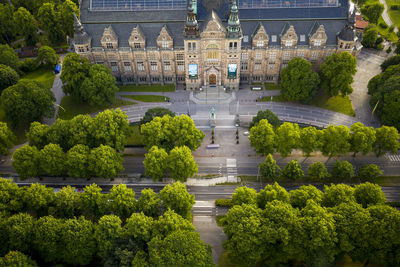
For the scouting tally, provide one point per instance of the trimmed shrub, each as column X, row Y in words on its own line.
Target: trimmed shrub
column 223, row 202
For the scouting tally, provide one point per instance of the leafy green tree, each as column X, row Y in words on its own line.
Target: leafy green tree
column 78, row 161
column 369, row 172
column 269, row 169
column 181, row 248
column 298, row 81
column 47, row 238
column 287, row 138
column 105, row 162
column 10, row 196
column 111, row 128
column 27, row 101
column 361, row 138
column 373, row 12
column 334, row 195
column 383, row 235
column 337, row 73
column 75, row 70
column 26, row 161
column 38, row 135
column 8, row 77
column 170, row 222
column 79, row 242
column 149, row 203
column 122, row 201
column 48, row 19
column 67, row 10
column 390, row 110
column 293, row 170
column 351, row 223
column 28, row 65
column 369, row 194
column 318, row 235
column 59, row 133
column 155, row 112
column 140, row 259
column 80, row 129
column 66, row 203
column 318, row 172
column 26, row 25
column 267, row 115
column 370, row 36
column 169, row 132
column 262, row 137
column 309, row 140
column 47, row 57
column 244, row 195
column 38, row 198
column 271, row 193
column 342, row 170
column 92, row 202
column 7, row 138
column 8, row 56
column 243, row 228
column 156, row 163
column 390, row 61
column 99, row 88
column 17, row 259
column 335, row 140
column 181, row 163
column 7, row 31
column 177, row 198
column 139, row 227
column 106, row 231
column 52, row 160
column 20, row 228
column 386, row 140
column 300, row 197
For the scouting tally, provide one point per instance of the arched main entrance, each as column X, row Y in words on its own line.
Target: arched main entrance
column 212, row 79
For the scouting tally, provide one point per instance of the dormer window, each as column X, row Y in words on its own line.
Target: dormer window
column 165, row 44
column 317, row 42
column 136, row 38
column 260, row 43
column 107, row 39
column 109, row 46
column 289, row 43
column 302, row 38
column 136, row 45
column 273, row 37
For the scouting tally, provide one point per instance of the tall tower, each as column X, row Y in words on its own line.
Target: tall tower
column 234, row 29
column 191, row 29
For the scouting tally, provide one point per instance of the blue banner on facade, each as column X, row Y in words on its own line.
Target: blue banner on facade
column 193, row 74
column 232, row 70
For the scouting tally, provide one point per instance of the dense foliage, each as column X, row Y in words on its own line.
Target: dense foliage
column 91, row 228
column 268, row 115
column 332, row 141
column 311, row 227
column 384, row 89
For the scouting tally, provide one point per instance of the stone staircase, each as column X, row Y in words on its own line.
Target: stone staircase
column 212, row 95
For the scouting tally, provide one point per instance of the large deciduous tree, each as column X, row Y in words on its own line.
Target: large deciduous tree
column 309, row 140
column 66, row 203
column 16, row 258
column 181, row 163
column 370, row 36
column 293, row 170
column 8, row 56
column 38, row 134
column 149, row 203
column 373, row 12
column 244, row 195
column 287, row 138
column 268, row 115
column 156, row 163
column 105, row 162
column 26, row 25
column 52, row 160
column 342, row 170
column 75, row 71
column 337, row 73
column 300, row 197
column 49, row 21
column 269, row 169
column 369, row 194
column 361, row 138
column 177, row 198
column 335, row 140
column 47, row 57
column 271, row 193
column 334, row 195
column 262, row 137
column 369, row 172
column 38, row 198
column 27, row 101
column 155, row 112
column 386, row 140
column 318, row 172
column 7, row 138
column 298, row 81
column 106, row 231
column 122, row 201
column 26, row 161
column 8, row 77
column 67, row 10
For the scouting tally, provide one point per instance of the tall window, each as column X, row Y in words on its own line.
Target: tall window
column 114, row 66
column 165, row 44
column 181, row 65
column 257, row 66
column 244, row 66
column 272, row 57
column 127, row 66
column 317, row 42
column 136, row 45
column 165, row 56
column 140, row 66
column 258, row 56
column 153, row 66
column 314, row 56
column 167, row 65
column 109, row 45
column 212, row 51
column 289, row 43
column 180, row 57
column 260, row 43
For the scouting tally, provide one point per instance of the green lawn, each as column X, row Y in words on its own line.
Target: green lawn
column 394, row 14
column 147, row 88
column 44, row 76
column 135, row 138
column 272, row 86
column 391, row 36
column 148, row 98
column 340, row 104
column 71, row 108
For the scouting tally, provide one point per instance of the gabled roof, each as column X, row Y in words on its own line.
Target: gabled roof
column 313, row 29
column 212, row 16
column 284, row 29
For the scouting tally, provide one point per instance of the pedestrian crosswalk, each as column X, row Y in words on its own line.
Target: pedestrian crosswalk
column 231, row 170
column 395, row 158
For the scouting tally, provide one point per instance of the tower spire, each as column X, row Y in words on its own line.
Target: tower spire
column 191, row 25
column 234, row 29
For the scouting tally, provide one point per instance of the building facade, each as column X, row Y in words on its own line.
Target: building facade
column 183, row 43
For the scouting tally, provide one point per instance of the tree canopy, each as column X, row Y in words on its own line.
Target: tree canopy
column 8, row 77
column 268, row 115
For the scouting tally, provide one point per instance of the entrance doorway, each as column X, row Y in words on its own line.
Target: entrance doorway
column 212, row 79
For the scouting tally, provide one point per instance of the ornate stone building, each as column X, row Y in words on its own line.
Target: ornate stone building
column 181, row 42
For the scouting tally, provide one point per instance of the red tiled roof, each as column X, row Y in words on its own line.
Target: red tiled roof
column 361, row 24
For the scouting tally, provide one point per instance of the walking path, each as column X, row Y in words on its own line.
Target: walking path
column 385, row 14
